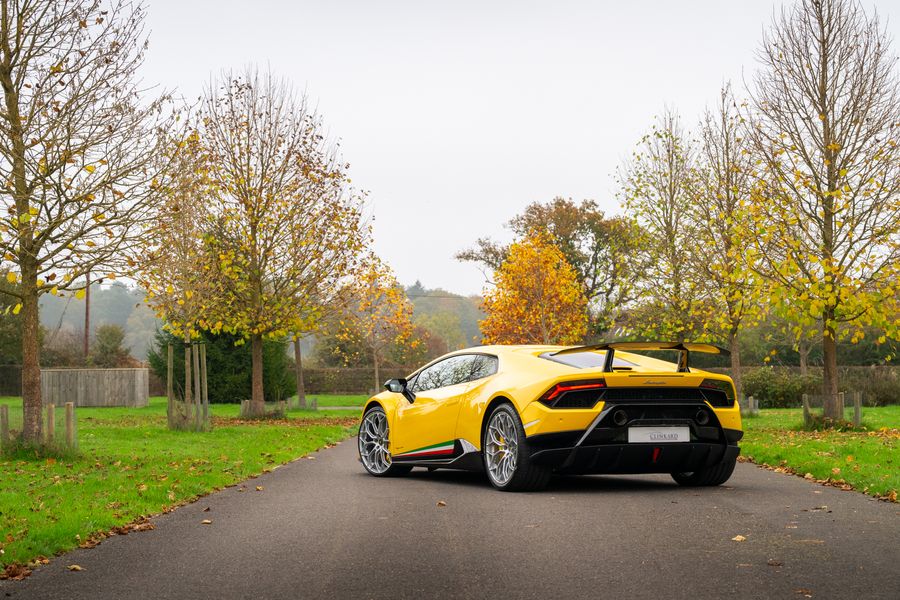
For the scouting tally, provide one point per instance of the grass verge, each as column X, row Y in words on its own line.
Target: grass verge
column 338, row 399
column 867, row 460
column 129, row 465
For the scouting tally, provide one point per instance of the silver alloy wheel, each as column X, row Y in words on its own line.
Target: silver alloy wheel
column 501, row 447
column 374, row 442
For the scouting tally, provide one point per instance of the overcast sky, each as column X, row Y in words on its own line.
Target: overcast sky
column 455, row 115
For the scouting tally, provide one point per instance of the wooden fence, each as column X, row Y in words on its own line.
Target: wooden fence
column 95, row 387
column 348, row 380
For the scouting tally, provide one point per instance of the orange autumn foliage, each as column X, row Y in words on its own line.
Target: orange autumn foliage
column 538, row 298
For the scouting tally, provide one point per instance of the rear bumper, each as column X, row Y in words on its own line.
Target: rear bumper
column 625, row 458
column 603, row 446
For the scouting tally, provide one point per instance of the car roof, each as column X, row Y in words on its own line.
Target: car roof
column 642, row 361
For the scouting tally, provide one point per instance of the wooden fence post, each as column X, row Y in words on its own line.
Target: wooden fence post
column 170, row 396
column 315, row 404
column 4, row 424
column 857, row 409
column 807, row 418
column 187, row 395
column 841, row 404
column 51, row 422
column 205, row 395
column 198, row 389
column 70, row 425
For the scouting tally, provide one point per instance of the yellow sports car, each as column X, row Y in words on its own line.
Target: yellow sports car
column 521, row 413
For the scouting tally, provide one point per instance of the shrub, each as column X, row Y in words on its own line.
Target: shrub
column 779, row 388
column 228, row 367
column 108, row 351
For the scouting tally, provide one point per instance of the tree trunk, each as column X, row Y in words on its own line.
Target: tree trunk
column 188, row 385
column 31, row 355
column 87, row 317
column 735, row 348
column 803, row 349
column 377, row 376
column 257, row 396
column 301, row 393
column 830, row 374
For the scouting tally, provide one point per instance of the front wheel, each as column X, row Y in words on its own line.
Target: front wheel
column 714, row 475
column 507, row 459
column 374, row 445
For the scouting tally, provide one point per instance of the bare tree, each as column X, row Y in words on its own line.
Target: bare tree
column 172, row 258
column 655, row 188
column 720, row 190
column 288, row 228
column 826, row 111
column 77, row 153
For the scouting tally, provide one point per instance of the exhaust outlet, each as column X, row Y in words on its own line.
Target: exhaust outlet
column 620, row 417
column 702, row 417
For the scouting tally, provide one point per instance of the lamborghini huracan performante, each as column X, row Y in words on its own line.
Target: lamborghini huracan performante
column 521, row 413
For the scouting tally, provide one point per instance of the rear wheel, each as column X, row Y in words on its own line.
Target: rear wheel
column 714, row 475
column 507, row 459
column 374, row 445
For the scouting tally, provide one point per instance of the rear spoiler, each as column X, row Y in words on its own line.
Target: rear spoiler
column 684, row 347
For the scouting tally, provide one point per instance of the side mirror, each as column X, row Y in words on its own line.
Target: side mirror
column 398, row 386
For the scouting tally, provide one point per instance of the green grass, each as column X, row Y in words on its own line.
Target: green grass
column 337, row 399
column 867, row 460
column 130, row 465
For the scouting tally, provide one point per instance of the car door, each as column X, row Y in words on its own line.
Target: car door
column 427, row 427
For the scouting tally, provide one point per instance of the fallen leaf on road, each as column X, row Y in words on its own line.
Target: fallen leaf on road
column 75, row 568
column 441, row 503
column 259, row 488
column 738, row 538
column 15, row 572
column 206, row 522
column 310, row 458
column 804, row 592
column 206, row 509
column 809, row 476
column 774, row 563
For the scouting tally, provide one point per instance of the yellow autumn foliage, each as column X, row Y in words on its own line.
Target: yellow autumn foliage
column 538, row 298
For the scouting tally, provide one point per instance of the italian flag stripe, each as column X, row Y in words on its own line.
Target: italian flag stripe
column 433, row 450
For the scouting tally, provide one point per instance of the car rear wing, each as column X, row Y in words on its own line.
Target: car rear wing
column 685, row 348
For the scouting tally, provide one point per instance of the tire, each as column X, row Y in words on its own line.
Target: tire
column 521, row 475
column 714, row 475
column 373, row 442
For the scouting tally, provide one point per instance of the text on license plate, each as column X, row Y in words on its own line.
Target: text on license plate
column 652, row 435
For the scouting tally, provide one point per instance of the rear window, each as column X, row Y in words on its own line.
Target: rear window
column 586, row 360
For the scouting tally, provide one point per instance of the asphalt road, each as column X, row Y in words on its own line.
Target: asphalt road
column 323, row 529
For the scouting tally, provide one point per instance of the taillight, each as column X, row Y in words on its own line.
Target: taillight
column 719, row 386
column 552, row 396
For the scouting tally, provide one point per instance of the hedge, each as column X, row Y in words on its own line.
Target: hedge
column 783, row 387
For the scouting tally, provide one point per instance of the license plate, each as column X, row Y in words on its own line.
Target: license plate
column 657, row 435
